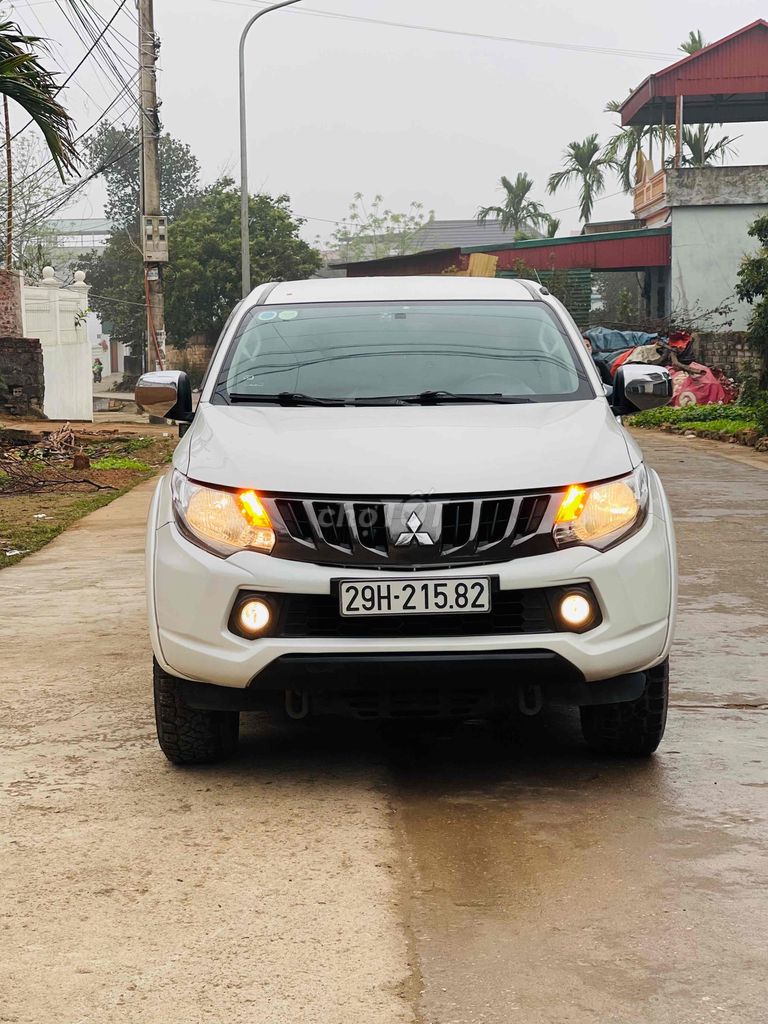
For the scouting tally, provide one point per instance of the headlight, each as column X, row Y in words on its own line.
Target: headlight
column 222, row 521
column 604, row 513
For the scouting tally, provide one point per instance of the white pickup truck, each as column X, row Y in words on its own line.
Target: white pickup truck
column 407, row 497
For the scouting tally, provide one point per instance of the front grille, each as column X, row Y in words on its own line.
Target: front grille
column 371, row 527
column 532, row 511
column 296, row 520
column 494, row 520
column 456, row 524
column 412, row 534
column 317, row 616
column 332, row 523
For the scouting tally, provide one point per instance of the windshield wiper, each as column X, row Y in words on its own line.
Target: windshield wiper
column 284, row 398
column 442, row 397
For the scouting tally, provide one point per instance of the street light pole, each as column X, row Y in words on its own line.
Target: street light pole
column 245, row 249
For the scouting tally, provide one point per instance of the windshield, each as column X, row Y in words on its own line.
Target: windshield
column 388, row 351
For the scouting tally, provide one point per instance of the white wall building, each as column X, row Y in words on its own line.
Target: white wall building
column 57, row 317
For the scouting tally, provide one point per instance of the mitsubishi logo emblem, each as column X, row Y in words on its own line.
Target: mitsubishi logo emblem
column 414, row 532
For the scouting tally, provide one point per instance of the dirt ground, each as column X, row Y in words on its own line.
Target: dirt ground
column 343, row 874
column 41, row 491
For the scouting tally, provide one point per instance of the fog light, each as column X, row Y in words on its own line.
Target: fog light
column 576, row 609
column 254, row 616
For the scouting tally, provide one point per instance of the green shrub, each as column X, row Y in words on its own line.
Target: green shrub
column 761, row 412
column 721, row 426
column 699, row 414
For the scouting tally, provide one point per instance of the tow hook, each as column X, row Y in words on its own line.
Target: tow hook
column 296, row 703
column 529, row 699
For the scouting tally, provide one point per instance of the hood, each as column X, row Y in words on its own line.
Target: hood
column 397, row 450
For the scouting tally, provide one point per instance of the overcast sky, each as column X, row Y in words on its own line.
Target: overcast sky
column 337, row 106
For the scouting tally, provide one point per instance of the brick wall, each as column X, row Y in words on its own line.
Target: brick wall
column 10, row 304
column 192, row 359
column 22, row 385
column 729, row 349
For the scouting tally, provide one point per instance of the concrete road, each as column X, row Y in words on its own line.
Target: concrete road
column 336, row 875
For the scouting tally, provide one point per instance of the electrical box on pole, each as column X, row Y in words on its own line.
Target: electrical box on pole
column 155, row 240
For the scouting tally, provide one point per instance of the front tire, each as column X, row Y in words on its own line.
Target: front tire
column 190, row 735
column 633, row 728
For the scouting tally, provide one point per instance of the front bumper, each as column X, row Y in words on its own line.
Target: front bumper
column 191, row 593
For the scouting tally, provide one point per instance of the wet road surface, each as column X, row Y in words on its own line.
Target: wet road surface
column 345, row 874
column 547, row 886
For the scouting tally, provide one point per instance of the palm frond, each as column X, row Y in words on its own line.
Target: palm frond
column 693, row 43
column 486, row 211
column 24, row 80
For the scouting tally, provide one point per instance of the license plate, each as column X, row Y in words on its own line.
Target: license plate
column 415, row 597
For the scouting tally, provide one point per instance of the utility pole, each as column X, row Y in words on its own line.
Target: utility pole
column 154, row 232
column 8, row 188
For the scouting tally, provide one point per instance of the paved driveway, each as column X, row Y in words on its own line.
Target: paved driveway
column 334, row 875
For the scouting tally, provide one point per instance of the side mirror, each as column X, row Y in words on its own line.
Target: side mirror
column 166, row 394
column 639, row 386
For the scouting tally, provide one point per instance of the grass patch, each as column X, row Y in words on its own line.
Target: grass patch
column 136, row 444
column 120, row 462
column 20, row 531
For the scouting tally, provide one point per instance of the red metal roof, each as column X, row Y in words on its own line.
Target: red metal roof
column 616, row 250
column 724, row 82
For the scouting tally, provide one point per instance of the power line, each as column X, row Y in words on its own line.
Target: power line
column 95, row 33
column 548, row 44
column 90, row 127
column 57, row 203
column 76, row 68
column 28, row 7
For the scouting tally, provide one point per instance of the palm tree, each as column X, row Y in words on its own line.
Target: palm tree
column 703, row 151
column 517, row 211
column 583, row 164
column 623, row 147
column 24, row 79
column 551, row 225
column 693, row 43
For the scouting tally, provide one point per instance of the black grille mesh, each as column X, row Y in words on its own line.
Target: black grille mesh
column 317, row 615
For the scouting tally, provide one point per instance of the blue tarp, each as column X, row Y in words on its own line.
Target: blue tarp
column 604, row 339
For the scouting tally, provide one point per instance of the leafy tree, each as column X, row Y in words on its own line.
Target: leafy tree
column 584, row 164
column 627, row 307
column 32, row 238
column 116, row 277
column 518, row 211
column 370, row 232
column 116, row 150
column 24, row 80
column 752, row 287
column 202, row 279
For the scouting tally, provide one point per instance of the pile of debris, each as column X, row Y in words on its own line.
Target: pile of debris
column 30, row 463
column 694, row 383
